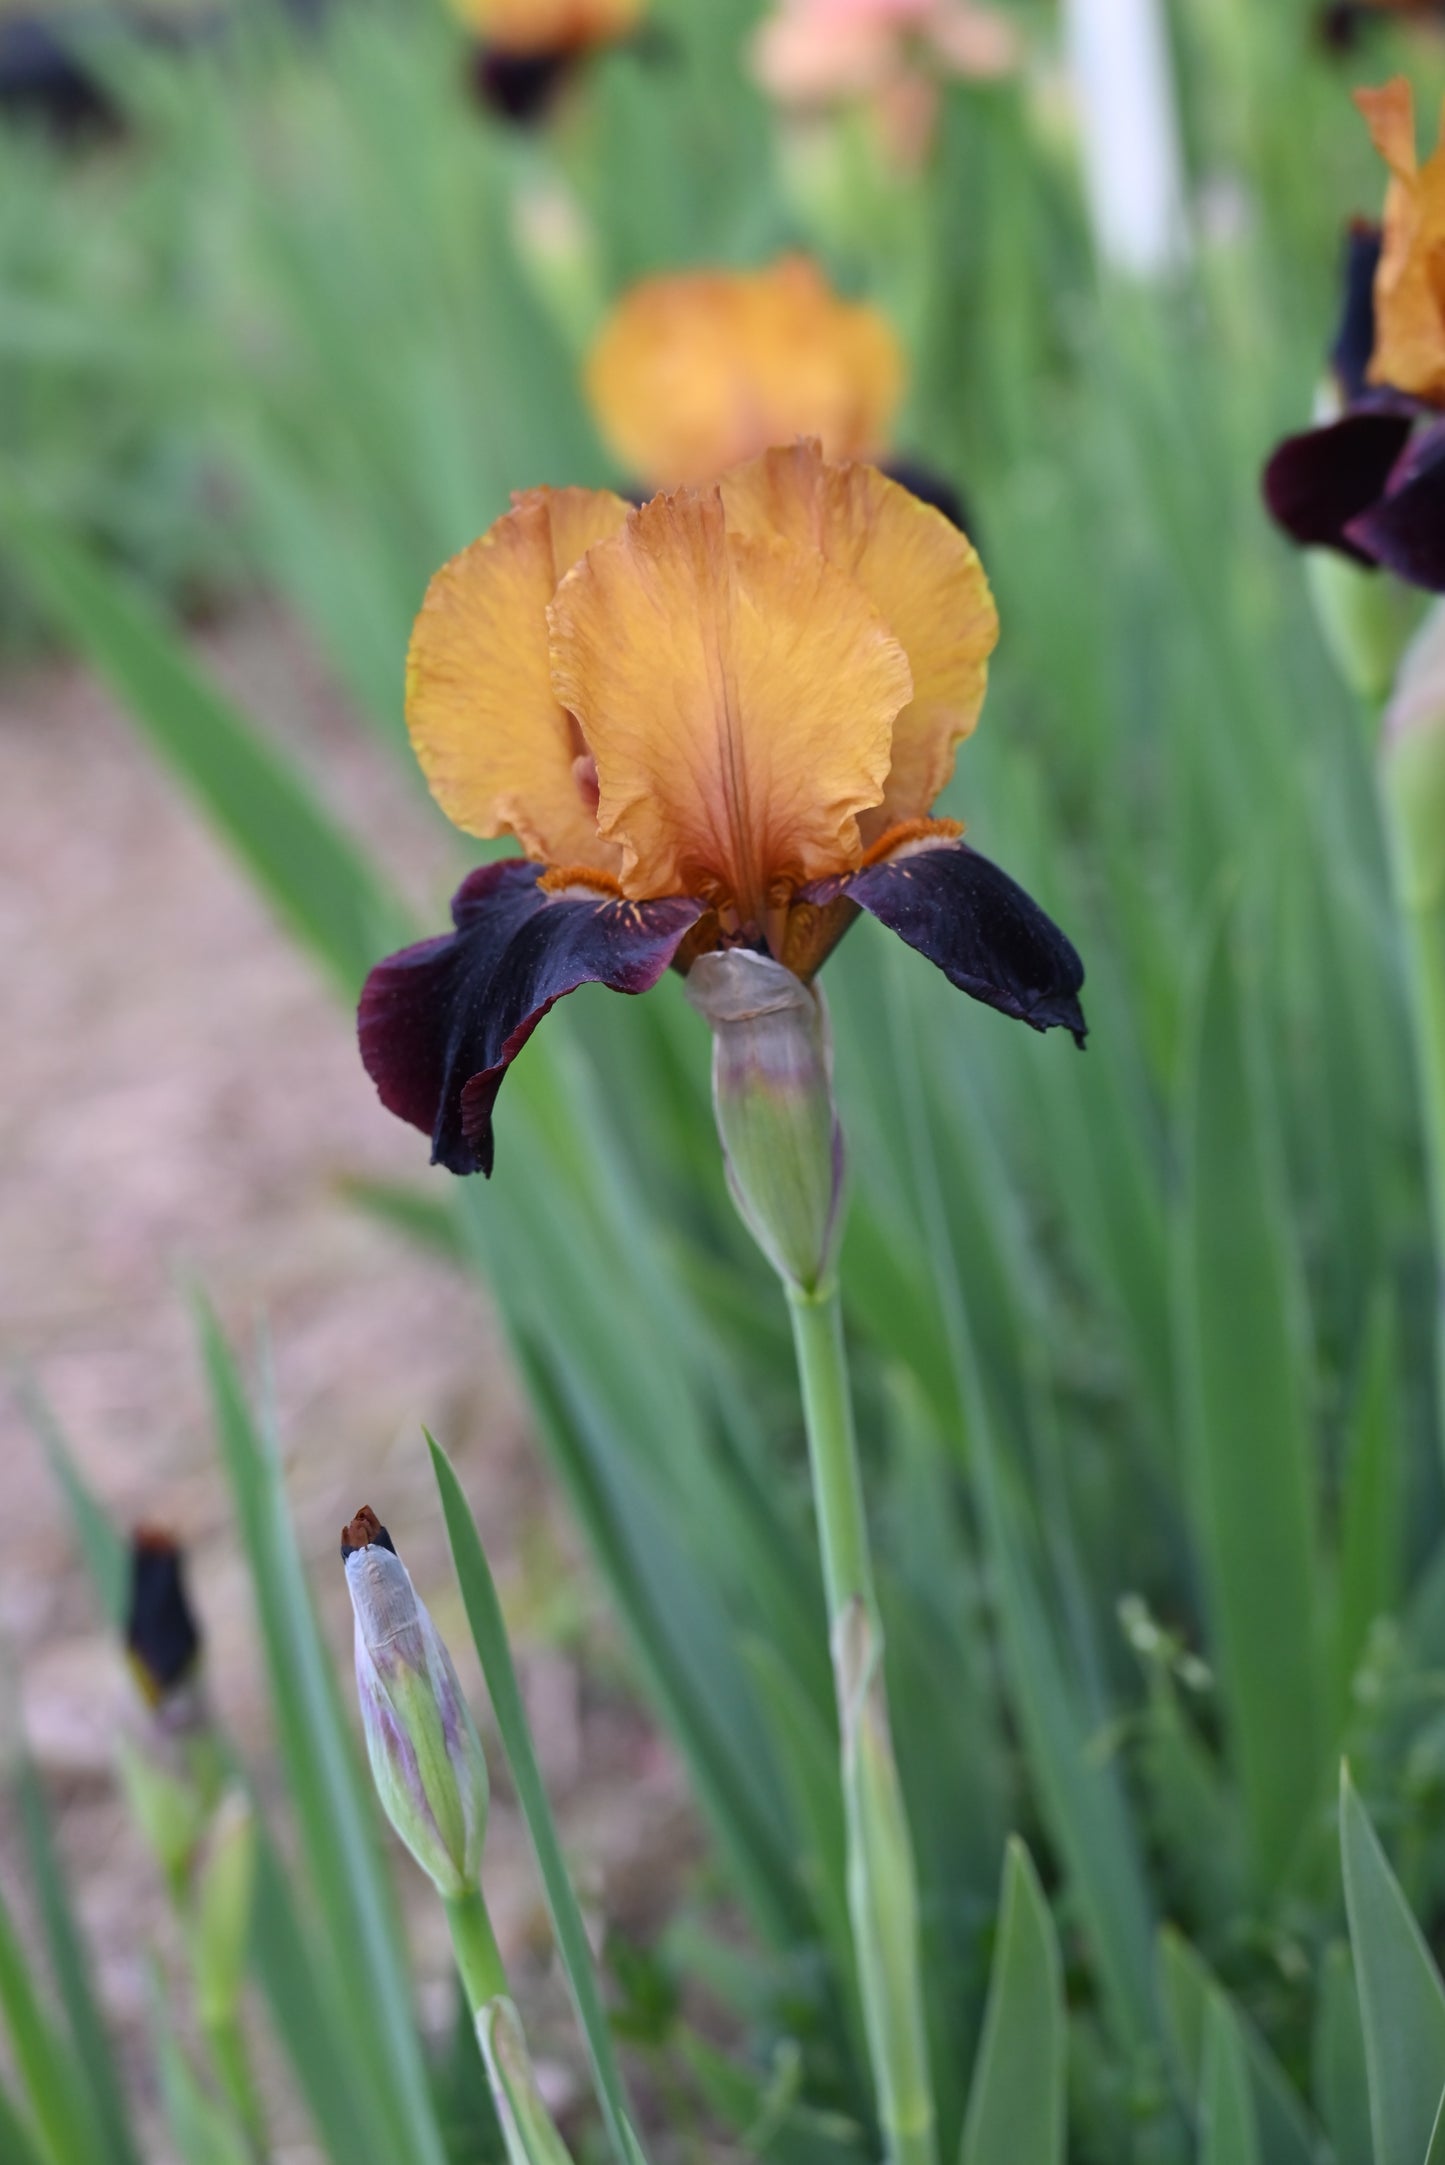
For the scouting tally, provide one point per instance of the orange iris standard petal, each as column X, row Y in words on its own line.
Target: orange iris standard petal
column 921, row 573
column 692, row 373
column 550, row 26
column 738, row 693
column 1410, row 284
column 499, row 754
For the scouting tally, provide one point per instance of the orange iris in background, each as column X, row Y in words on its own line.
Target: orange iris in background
column 696, row 372
column 549, row 26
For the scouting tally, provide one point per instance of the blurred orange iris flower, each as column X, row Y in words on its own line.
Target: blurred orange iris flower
column 719, row 720
column 549, row 26
column 695, row 372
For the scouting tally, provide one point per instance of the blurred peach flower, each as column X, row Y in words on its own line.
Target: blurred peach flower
column 697, row 371
column 890, row 55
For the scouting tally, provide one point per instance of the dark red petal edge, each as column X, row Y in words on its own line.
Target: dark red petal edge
column 986, row 935
column 1405, row 528
column 1316, row 483
column 440, row 1023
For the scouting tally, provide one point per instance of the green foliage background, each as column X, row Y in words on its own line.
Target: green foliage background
column 1144, row 1340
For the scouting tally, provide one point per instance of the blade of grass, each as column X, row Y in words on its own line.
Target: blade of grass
column 330, row 1798
column 1341, row 2081
column 1244, row 1361
column 202, row 2131
column 1016, row 2104
column 1402, row 2002
column 71, row 1965
column 49, row 2069
column 1187, row 1989
column 17, row 2144
column 316, row 2028
column 1229, row 2131
column 102, row 1546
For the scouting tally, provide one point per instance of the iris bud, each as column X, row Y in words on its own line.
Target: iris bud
column 773, row 1097
column 171, row 1766
column 426, row 1756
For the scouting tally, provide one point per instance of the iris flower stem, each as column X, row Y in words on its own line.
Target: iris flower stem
column 232, row 2062
column 882, row 1881
column 528, row 2133
column 479, row 1959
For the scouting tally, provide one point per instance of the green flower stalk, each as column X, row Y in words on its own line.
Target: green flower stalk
column 431, row 1776
column 772, row 1092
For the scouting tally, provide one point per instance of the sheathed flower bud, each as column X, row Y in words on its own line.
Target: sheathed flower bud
column 162, row 1638
column 426, row 1756
column 773, row 1096
column 171, row 1765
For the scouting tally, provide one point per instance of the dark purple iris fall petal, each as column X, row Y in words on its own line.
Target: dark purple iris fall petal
column 1355, row 335
column 440, row 1023
column 1405, row 528
column 161, row 1632
column 985, row 934
column 1318, row 482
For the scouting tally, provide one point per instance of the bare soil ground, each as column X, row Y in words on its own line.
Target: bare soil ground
column 180, row 1098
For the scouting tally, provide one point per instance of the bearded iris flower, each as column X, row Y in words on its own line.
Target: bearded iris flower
column 525, row 48
column 696, row 371
column 717, row 721
column 1369, row 482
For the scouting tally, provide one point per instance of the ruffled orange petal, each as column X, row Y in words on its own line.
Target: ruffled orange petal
column 693, row 373
column 1410, row 283
column 921, row 573
column 499, row 754
column 550, row 26
column 738, row 693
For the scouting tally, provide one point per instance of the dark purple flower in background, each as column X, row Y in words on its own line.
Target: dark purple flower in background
column 1369, row 480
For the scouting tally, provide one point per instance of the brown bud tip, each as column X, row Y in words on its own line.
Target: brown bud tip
column 154, row 1541
column 161, row 1633
column 365, row 1532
